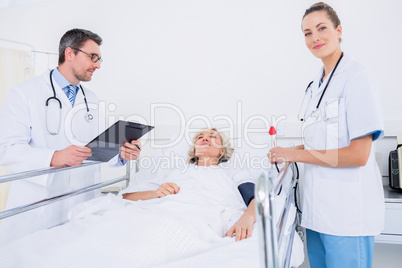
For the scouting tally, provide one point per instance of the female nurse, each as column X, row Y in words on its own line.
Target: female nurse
column 343, row 201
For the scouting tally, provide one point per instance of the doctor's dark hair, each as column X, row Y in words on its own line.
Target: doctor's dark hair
column 76, row 38
column 226, row 147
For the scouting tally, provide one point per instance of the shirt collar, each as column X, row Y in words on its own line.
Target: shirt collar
column 61, row 80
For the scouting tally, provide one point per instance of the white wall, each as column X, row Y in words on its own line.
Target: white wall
column 204, row 56
column 234, row 59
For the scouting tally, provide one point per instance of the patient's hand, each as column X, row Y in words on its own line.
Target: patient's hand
column 164, row 190
column 167, row 189
column 243, row 228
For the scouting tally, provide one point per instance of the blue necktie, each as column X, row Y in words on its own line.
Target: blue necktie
column 71, row 94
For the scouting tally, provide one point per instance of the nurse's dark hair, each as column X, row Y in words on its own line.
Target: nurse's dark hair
column 75, row 38
column 321, row 6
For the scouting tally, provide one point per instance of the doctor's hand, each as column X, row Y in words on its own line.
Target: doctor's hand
column 130, row 151
column 280, row 154
column 73, row 155
column 167, row 189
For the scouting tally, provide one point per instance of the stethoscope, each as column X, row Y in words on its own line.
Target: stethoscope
column 88, row 116
column 314, row 114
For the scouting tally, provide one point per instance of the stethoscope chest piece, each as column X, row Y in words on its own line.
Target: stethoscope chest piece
column 88, row 117
column 315, row 114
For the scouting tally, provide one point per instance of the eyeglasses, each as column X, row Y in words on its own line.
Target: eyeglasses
column 94, row 57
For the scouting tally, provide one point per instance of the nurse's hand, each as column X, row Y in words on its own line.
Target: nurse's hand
column 130, row 151
column 279, row 155
column 73, row 155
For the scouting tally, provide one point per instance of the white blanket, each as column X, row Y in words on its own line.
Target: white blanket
column 175, row 231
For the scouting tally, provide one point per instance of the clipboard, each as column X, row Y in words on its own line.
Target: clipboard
column 107, row 144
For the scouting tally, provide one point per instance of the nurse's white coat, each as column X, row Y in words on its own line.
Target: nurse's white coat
column 343, row 201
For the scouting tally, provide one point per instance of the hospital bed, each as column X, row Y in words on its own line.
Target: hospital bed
column 272, row 231
column 276, row 229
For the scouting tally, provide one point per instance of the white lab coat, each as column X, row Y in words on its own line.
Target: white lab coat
column 25, row 144
column 343, row 201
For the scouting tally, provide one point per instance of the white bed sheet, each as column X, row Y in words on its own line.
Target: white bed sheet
column 174, row 231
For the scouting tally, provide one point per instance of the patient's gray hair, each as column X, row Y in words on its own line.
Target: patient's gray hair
column 226, row 147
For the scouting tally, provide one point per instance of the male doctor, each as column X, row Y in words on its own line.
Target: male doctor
column 45, row 123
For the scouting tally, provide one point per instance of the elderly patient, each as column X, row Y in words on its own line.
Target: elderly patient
column 172, row 217
column 207, row 156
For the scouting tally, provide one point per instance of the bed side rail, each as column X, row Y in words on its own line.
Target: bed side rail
column 47, row 201
column 271, row 230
